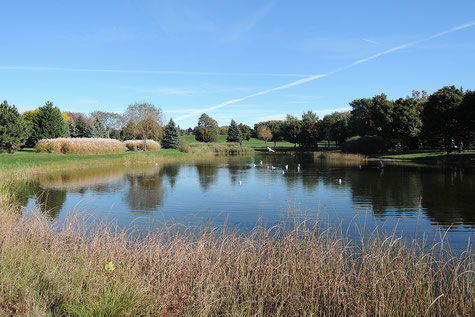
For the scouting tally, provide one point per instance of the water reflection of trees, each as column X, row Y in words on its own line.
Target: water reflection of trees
column 49, row 201
column 207, row 173
column 171, row 172
column 447, row 196
column 145, row 190
column 97, row 180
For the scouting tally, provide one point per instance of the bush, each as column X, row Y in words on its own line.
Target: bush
column 12, row 129
column 137, row 145
column 80, row 146
column 184, row 146
column 363, row 144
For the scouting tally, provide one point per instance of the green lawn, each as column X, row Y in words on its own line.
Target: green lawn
column 467, row 156
column 28, row 158
column 256, row 143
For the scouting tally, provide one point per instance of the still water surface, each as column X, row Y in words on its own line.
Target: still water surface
column 240, row 191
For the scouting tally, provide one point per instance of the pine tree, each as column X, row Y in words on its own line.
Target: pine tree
column 73, row 132
column 13, row 129
column 49, row 123
column 234, row 133
column 98, row 130
column 171, row 140
column 84, row 129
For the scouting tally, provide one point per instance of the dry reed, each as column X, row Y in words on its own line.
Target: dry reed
column 80, row 146
column 218, row 148
column 137, row 145
column 89, row 268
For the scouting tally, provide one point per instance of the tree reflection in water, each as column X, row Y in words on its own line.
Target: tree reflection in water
column 144, row 190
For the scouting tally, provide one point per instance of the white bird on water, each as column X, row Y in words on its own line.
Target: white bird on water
column 260, row 162
column 286, row 167
column 339, row 181
column 298, row 167
column 240, row 182
column 270, row 150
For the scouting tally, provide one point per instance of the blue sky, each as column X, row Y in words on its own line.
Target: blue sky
column 226, row 57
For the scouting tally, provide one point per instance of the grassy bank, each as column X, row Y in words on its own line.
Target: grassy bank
column 430, row 156
column 99, row 270
column 260, row 144
column 21, row 164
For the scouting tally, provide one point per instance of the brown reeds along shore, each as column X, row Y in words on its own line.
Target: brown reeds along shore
column 82, row 267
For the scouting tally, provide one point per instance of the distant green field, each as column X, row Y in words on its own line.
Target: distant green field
column 256, row 143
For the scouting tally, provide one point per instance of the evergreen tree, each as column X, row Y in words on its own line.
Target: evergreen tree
column 13, row 130
column 49, row 123
column 98, row 130
column 73, row 132
column 171, row 140
column 83, row 129
column 28, row 118
column 234, row 133
column 246, row 131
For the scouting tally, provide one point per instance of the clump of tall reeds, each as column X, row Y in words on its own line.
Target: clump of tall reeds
column 138, row 145
column 218, row 148
column 89, row 268
column 340, row 156
column 80, row 146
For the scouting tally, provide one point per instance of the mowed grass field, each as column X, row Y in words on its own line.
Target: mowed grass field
column 258, row 144
column 30, row 159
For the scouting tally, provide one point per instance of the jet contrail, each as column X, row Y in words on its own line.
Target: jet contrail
column 313, row 77
column 143, row 71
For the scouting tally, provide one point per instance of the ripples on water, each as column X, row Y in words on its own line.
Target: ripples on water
column 241, row 191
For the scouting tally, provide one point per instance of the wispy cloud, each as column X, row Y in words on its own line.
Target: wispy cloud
column 314, row 77
column 171, row 91
column 370, row 41
column 143, row 71
column 248, row 24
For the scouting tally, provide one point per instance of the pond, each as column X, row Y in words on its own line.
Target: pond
column 243, row 190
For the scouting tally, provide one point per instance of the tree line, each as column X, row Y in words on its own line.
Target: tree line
column 444, row 119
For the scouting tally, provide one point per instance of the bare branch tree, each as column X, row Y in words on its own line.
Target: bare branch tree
column 109, row 120
column 145, row 117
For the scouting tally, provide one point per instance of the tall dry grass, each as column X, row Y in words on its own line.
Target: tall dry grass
column 80, row 146
column 218, row 148
column 137, row 145
column 340, row 156
column 85, row 268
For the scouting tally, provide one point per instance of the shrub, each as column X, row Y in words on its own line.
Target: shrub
column 137, row 145
column 13, row 129
column 80, row 146
column 184, row 146
column 363, row 144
